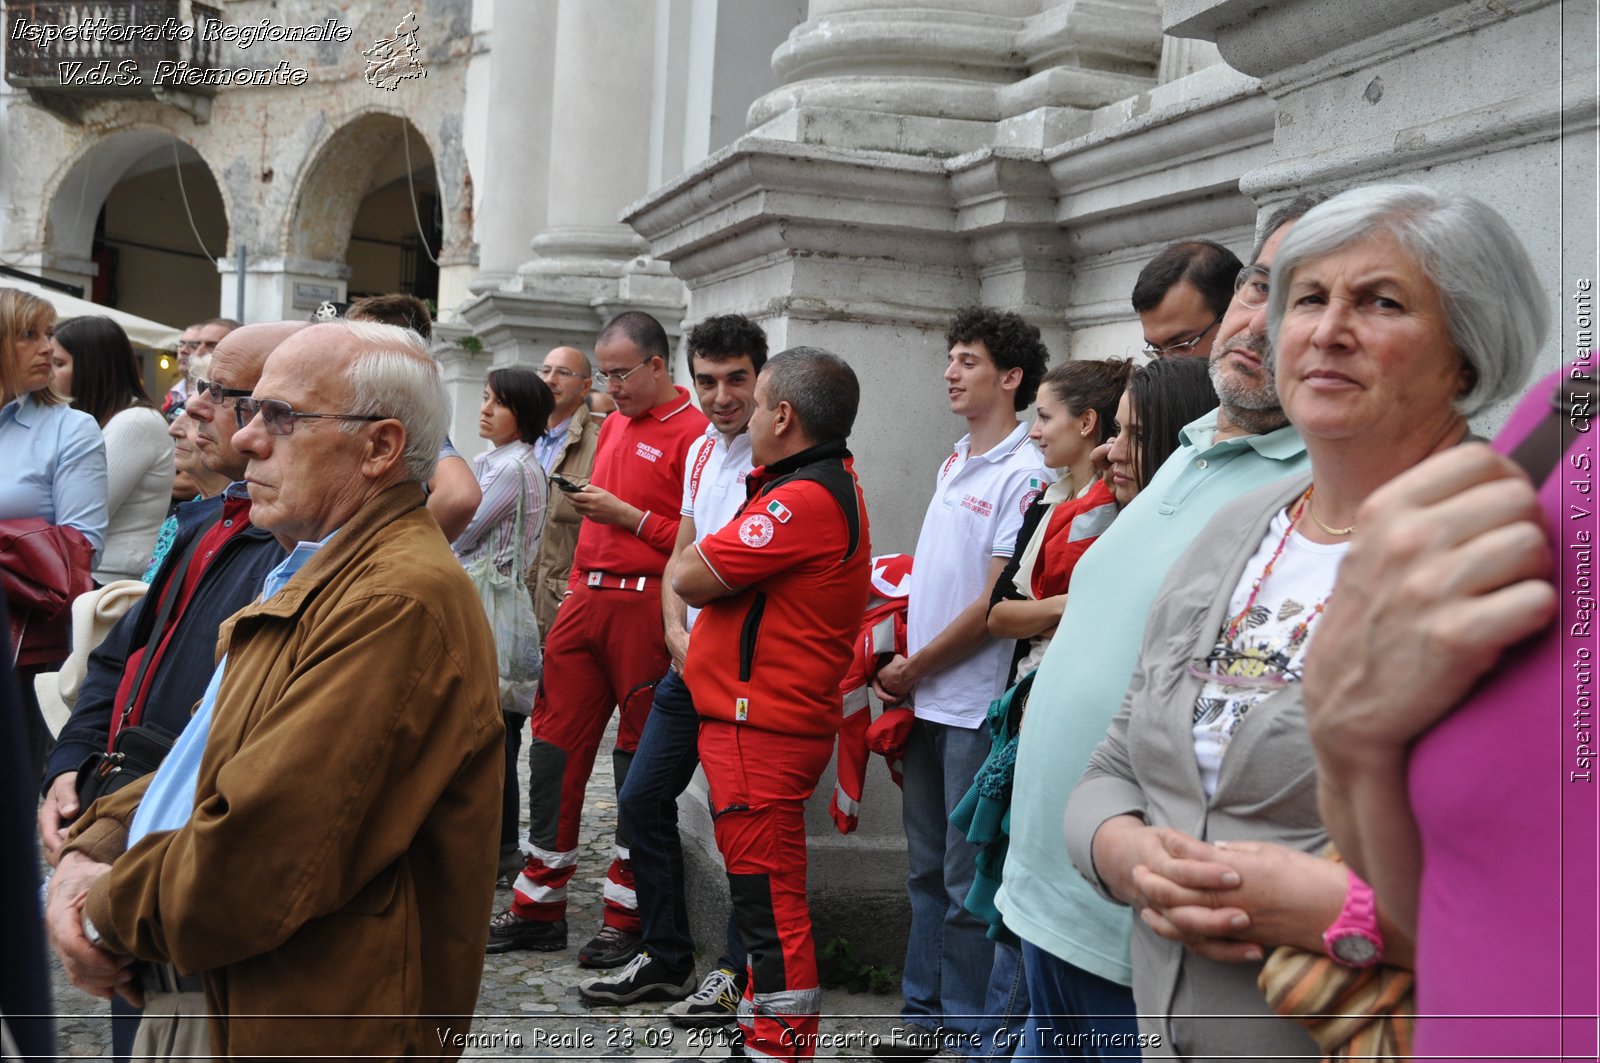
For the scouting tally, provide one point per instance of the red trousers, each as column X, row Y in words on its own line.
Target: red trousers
column 605, row 649
column 759, row 783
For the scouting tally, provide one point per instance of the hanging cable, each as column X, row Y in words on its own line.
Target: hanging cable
column 184, row 194
column 405, row 129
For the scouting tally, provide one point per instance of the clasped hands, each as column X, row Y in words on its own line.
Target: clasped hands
column 1228, row 901
column 91, row 968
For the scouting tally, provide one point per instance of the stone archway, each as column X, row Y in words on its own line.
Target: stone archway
column 144, row 219
column 368, row 190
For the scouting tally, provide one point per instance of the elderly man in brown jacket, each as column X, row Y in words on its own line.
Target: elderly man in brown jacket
column 318, row 845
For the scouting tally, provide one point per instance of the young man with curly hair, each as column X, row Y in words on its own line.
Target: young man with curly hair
column 954, row 669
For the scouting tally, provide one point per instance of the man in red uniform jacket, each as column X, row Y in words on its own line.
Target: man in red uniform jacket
column 606, row 647
column 781, row 587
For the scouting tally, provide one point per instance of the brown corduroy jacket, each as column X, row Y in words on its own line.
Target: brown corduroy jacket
column 340, row 859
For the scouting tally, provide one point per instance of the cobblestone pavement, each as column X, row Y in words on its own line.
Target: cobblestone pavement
column 528, row 1006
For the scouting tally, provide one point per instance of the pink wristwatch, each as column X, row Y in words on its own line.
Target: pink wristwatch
column 1354, row 939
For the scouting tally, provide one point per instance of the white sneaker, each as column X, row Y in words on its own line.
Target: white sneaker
column 715, row 1003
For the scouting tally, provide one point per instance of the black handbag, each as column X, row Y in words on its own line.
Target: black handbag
column 139, row 751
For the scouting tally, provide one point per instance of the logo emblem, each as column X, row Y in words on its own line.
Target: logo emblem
column 1027, row 498
column 779, row 511
column 741, row 709
column 392, row 60
column 756, row 530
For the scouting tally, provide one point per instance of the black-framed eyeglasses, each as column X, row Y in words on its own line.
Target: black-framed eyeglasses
column 279, row 416
column 559, row 370
column 1182, row 346
column 217, row 393
column 1230, row 668
column 619, row 377
column 188, row 345
column 1253, row 287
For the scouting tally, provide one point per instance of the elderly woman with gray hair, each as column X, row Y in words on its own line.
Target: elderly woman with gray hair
column 1395, row 313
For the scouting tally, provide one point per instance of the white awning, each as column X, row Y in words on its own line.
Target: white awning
column 143, row 332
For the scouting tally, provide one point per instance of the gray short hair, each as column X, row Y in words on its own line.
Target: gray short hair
column 1496, row 313
column 819, row 386
column 394, row 375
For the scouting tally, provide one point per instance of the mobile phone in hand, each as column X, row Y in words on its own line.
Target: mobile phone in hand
column 565, row 484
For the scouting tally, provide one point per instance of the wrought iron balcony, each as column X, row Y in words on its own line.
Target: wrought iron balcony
column 63, row 51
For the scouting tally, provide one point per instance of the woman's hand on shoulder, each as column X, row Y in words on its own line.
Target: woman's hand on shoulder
column 1449, row 566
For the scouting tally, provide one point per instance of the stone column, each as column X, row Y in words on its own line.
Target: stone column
column 586, row 266
column 894, row 75
column 463, row 372
column 517, row 90
column 280, row 288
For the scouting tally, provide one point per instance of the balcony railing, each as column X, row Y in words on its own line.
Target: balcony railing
column 77, row 48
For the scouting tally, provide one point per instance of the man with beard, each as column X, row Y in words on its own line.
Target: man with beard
column 1074, row 943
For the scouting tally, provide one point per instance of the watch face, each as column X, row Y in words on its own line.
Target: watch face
column 1354, row 949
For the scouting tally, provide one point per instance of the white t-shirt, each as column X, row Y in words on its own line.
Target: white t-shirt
column 713, row 484
column 975, row 514
column 1270, row 643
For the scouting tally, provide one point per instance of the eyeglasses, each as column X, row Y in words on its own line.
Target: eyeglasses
column 188, row 345
column 1182, row 346
column 548, row 371
column 1252, row 287
column 619, row 377
column 217, row 393
column 175, row 412
column 279, row 416
column 1230, row 668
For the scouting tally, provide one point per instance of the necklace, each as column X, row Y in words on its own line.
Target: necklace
column 1312, row 507
column 1236, row 625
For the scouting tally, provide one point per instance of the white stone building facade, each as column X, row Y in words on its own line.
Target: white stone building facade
column 847, row 172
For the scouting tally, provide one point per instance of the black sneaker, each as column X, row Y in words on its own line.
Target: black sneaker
column 609, row 948
column 509, row 931
column 715, row 1003
column 907, row 1042
column 645, row 978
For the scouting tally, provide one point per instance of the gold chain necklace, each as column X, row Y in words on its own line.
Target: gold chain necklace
column 1311, row 507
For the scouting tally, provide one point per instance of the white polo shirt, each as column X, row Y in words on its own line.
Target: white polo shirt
column 975, row 514
column 713, row 484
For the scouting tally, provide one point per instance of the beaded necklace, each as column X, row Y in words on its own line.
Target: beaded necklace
column 1236, row 625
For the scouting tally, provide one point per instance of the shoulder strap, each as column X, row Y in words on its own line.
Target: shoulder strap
column 1542, row 448
column 169, row 601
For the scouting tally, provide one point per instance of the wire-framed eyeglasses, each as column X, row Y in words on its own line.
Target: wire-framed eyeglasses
column 1253, row 287
column 1182, row 346
column 279, row 416
column 617, row 376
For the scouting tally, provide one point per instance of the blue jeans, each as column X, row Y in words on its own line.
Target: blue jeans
column 647, row 805
column 950, row 957
column 1005, row 1003
column 1072, row 1009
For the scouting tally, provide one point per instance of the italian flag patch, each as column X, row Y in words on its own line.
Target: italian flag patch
column 779, row 511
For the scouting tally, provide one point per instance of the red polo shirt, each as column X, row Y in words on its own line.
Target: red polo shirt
column 771, row 656
column 640, row 460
